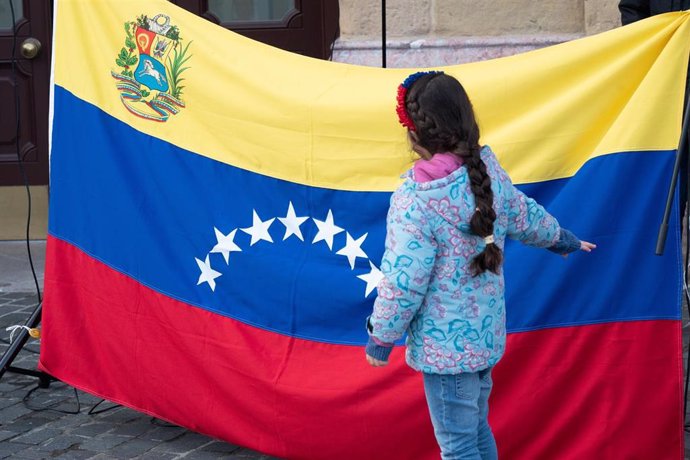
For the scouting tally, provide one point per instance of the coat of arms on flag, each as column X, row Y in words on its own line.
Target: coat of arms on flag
column 151, row 64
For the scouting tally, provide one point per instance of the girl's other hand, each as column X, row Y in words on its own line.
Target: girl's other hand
column 587, row 246
column 376, row 362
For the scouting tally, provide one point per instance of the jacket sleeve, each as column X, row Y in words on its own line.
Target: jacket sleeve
column 406, row 266
column 567, row 243
column 529, row 223
column 633, row 10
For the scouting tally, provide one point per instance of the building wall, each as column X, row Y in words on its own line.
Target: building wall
column 441, row 32
column 14, row 210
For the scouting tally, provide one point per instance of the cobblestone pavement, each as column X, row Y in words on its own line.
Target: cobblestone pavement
column 35, row 429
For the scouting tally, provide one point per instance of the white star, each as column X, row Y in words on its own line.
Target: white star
column 259, row 230
column 226, row 244
column 292, row 223
column 372, row 278
column 327, row 229
column 352, row 249
column 208, row 275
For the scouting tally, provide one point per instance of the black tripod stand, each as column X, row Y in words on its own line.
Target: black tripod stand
column 16, row 346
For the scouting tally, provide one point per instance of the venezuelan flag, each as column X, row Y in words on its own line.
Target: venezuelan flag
column 217, row 216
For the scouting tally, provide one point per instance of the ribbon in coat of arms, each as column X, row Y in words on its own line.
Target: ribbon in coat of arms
column 151, row 64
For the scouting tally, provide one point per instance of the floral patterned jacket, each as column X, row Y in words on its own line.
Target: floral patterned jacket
column 454, row 322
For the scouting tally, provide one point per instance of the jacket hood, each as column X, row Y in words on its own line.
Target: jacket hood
column 450, row 197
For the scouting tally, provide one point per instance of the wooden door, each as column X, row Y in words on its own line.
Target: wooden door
column 308, row 27
column 30, row 81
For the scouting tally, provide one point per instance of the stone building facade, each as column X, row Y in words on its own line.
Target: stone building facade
column 424, row 33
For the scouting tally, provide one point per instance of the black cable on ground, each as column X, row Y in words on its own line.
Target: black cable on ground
column 27, row 397
column 93, row 410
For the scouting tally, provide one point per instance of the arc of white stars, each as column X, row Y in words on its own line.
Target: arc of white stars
column 353, row 249
column 226, row 244
column 208, row 274
column 372, row 278
column 327, row 230
column 259, row 229
column 292, row 223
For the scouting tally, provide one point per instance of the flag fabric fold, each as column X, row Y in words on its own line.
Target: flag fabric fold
column 217, row 218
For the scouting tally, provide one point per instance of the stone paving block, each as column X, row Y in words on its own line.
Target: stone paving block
column 77, row 454
column 221, row 447
column 7, row 402
column 13, row 413
column 165, row 433
column 26, row 360
column 246, row 454
column 157, row 456
column 26, row 423
column 103, row 456
column 92, row 429
column 103, row 443
column 5, row 435
column 133, row 448
column 8, row 449
column 121, row 415
column 66, row 423
column 10, row 296
column 134, row 428
column 37, row 436
column 5, row 387
column 204, row 455
column 188, row 441
column 9, row 318
column 31, row 453
column 19, row 394
column 62, row 443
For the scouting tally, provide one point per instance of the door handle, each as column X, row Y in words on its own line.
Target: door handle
column 30, row 48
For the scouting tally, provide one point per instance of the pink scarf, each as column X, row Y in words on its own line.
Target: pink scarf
column 440, row 165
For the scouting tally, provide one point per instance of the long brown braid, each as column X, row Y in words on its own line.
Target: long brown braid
column 444, row 122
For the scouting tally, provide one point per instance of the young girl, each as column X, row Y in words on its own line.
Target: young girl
column 443, row 282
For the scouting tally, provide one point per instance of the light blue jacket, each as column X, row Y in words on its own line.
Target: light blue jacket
column 454, row 322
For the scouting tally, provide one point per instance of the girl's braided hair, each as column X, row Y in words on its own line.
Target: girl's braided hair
column 444, row 121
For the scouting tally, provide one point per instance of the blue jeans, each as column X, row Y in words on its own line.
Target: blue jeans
column 459, row 408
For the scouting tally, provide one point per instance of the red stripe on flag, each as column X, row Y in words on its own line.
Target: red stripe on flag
column 606, row 391
column 105, row 333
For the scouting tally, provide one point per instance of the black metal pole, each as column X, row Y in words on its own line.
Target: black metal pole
column 383, row 33
column 682, row 150
column 16, row 346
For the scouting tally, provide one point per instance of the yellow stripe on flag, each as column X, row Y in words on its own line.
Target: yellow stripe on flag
column 334, row 125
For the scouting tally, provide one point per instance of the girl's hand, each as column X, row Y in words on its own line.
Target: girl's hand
column 584, row 246
column 376, row 362
column 587, row 246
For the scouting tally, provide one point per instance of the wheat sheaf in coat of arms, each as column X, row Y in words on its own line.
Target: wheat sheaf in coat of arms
column 150, row 68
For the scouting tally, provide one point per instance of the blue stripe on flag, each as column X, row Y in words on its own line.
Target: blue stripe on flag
column 149, row 209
